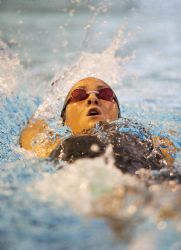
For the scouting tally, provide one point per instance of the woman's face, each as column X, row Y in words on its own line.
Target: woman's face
column 84, row 114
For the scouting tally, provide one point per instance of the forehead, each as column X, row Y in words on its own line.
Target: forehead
column 90, row 84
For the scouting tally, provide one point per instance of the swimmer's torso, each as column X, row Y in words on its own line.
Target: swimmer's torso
column 129, row 151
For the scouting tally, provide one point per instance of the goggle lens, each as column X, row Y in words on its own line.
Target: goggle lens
column 106, row 94
column 79, row 95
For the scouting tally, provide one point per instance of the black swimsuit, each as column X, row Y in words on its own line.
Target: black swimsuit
column 130, row 152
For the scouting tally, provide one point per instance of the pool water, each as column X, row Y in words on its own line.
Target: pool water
column 135, row 47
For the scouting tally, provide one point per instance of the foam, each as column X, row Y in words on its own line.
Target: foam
column 104, row 65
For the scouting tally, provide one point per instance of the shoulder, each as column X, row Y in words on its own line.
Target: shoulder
column 39, row 138
column 28, row 133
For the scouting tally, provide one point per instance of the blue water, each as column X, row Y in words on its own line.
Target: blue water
column 38, row 40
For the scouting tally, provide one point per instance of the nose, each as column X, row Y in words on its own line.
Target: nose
column 92, row 99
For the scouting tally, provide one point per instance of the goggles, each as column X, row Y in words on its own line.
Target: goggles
column 81, row 94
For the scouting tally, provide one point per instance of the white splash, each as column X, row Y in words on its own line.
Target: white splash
column 105, row 66
column 80, row 184
column 10, row 71
column 92, row 186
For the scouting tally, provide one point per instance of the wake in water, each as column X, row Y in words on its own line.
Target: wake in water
column 92, row 187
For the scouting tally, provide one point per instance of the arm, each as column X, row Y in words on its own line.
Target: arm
column 38, row 138
column 166, row 147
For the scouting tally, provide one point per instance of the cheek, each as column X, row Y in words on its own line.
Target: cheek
column 110, row 110
column 74, row 112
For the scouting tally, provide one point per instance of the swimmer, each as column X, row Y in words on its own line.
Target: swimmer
column 89, row 102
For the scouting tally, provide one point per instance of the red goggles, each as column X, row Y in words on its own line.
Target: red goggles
column 81, row 94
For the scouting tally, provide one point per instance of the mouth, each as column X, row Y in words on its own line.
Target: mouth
column 93, row 112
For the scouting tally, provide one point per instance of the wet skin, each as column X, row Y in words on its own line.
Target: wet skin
column 78, row 114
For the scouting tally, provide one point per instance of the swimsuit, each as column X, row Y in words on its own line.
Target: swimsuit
column 130, row 152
